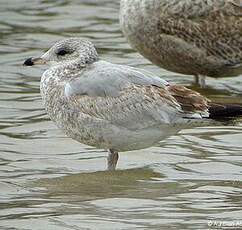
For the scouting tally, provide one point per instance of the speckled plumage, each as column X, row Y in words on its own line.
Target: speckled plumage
column 111, row 106
column 195, row 37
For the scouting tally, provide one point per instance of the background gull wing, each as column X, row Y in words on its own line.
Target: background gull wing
column 128, row 98
column 213, row 27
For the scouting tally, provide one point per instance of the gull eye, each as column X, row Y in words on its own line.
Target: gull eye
column 62, row 52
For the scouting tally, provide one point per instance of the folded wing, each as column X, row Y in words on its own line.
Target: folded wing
column 128, row 98
column 214, row 27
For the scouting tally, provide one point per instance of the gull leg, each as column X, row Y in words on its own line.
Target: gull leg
column 112, row 159
column 196, row 78
column 201, row 81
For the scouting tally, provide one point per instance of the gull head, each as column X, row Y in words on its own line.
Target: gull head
column 77, row 50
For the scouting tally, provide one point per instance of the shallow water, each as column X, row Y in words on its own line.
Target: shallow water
column 48, row 181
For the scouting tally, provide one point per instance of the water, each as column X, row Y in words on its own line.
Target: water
column 48, row 181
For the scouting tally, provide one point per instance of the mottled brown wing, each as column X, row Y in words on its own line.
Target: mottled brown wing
column 216, row 30
column 237, row 4
column 189, row 100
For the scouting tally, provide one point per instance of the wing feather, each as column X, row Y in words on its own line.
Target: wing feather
column 128, row 98
column 137, row 107
column 106, row 79
column 214, row 28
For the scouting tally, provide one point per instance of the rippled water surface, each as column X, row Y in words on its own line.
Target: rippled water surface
column 48, row 181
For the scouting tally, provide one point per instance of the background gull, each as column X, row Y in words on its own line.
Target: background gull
column 116, row 107
column 194, row 37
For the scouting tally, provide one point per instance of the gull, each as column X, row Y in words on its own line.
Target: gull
column 192, row 37
column 116, row 107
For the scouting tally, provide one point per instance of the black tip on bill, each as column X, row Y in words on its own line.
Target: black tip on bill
column 29, row 62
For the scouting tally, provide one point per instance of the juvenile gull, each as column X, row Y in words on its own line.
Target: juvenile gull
column 115, row 107
column 194, row 37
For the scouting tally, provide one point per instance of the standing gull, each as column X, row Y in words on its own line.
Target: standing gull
column 194, row 37
column 115, row 107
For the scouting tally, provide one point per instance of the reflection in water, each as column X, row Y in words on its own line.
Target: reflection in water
column 101, row 184
column 48, row 181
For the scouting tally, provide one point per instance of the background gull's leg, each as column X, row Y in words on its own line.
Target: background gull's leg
column 112, row 159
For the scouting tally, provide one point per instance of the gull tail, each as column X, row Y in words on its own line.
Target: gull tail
column 224, row 112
